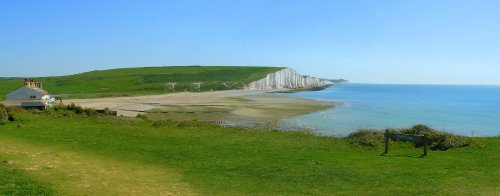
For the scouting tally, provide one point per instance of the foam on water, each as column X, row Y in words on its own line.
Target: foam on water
column 466, row 110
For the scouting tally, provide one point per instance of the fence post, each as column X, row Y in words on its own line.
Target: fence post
column 425, row 145
column 386, row 140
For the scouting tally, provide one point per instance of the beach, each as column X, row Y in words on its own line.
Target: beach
column 233, row 105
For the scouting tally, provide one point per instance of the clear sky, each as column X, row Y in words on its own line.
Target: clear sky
column 379, row 41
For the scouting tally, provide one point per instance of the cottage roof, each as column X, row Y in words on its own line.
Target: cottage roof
column 40, row 91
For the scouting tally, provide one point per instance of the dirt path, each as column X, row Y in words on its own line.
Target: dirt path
column 79, row 174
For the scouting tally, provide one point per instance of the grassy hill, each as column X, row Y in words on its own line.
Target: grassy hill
column 146, row 80
column 68, row 154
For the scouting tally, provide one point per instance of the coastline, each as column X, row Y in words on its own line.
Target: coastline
column 374, row 106
column 216, row 106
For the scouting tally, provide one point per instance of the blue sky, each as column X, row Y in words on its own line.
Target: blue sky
column 379, row 41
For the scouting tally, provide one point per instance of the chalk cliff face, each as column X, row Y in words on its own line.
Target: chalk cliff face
column 287, row 79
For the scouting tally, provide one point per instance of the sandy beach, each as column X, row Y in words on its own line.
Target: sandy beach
column 208, row 106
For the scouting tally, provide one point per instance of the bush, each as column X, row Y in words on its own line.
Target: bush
column 142, row 116
column 11, row 118
column 364, row 137
column 436, row 140
column 3, row 113
column 12, row 109
column 68, row 110
column 108, row 112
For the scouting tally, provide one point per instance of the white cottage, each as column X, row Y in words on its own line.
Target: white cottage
column 31, row 91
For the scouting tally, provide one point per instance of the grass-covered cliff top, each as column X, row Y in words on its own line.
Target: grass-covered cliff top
column 145, row 80
column 65, row 153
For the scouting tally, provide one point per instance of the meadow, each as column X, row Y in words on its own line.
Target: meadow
column 61, row 152
column 144, row 81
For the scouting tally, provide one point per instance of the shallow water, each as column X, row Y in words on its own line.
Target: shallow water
column 465, row 110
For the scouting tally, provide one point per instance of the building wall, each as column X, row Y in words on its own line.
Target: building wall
column 24, row 93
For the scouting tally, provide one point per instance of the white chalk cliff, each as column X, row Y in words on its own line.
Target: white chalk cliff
column 287, row 79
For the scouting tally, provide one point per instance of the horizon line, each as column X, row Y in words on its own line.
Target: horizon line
column 437, row 84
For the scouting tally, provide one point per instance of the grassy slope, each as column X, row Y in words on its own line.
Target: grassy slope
column 16, row 182
column 229, row 161
column 148, row 80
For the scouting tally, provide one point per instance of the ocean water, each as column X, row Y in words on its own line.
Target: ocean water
column 465, row 110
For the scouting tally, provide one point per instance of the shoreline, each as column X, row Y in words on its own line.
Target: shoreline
column 227, row 106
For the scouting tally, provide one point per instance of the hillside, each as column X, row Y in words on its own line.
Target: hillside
column 146, row 80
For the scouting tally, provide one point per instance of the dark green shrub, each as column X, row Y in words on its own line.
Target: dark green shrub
column 108, row 112
column 445, row 141
column 68, row 110
column 437, row 140
column 364, row 137
column 4, row 115
column 142, row 116
column 419, row 130
column 12, row 109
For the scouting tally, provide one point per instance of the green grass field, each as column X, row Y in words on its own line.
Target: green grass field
column 16, row 182
column 71, row 154
column 146, row 80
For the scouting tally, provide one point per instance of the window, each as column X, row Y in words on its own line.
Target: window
column 32, row 97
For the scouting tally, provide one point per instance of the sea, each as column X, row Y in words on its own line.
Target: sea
column 470, row 110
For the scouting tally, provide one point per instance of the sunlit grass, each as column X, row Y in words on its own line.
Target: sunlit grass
column 215, row 160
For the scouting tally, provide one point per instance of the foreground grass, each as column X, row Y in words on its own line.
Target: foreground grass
column 17, row 182
column 229, row 161
column 86, row 174
column 146, row 80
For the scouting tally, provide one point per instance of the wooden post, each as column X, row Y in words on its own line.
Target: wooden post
column 425, row 145
column 386, row 139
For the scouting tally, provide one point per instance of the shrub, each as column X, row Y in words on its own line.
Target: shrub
column 11, row 118
column 438, row 140
column 108, row 112
column 3, row 113
column 142, row 116
column 67, row 110
column 12, row 109
column 419, row 130
column 364, row 137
